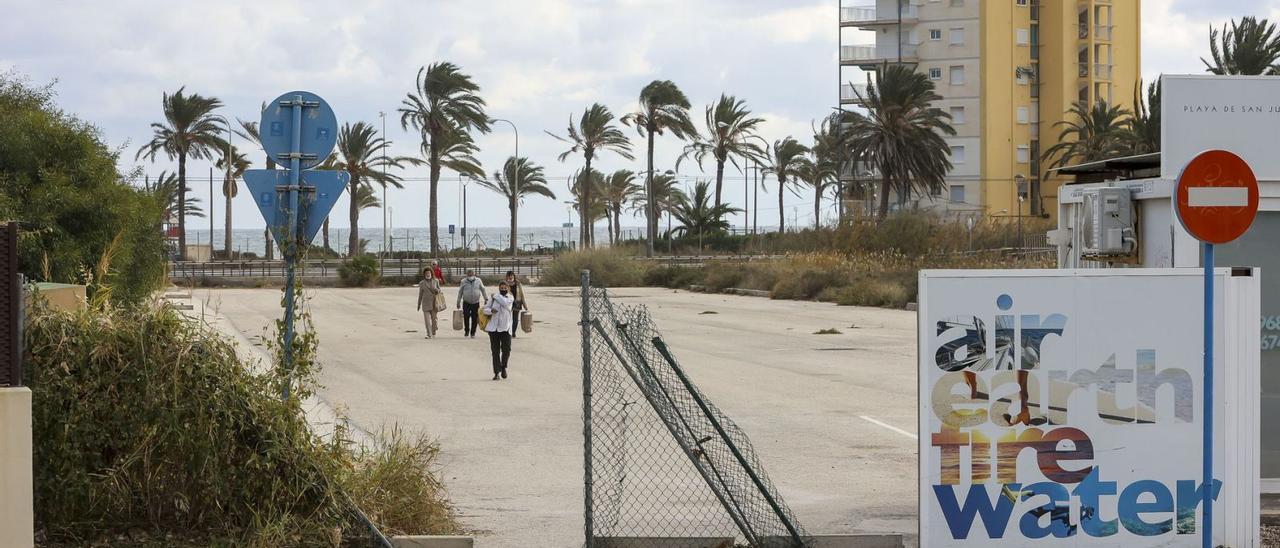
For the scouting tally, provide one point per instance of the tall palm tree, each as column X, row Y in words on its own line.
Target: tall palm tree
column 1143, row 131
column 532, row 182
column 1250, row 47
column 698, row 216
column 453, row 150
column 594, row 133
column 587, row 187
column 239, row 163
column 666, row 194
column 730, row 128
column 901, row 135
column 830, row 158
column 249, row 131
column 445, row 101
column 815, row 172
column 167, row 192
column 784, row 162
column 189, row 131
column 1090, row 134
column 366, row 197
column 363, row 155
column 620, row 189
column 663, row 107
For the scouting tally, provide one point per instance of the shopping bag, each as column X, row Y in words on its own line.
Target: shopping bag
column 526, row 321
column 484, row 319
column 440, row 303
column 457, row 319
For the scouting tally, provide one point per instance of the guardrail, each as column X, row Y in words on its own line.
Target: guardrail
column 453, row 268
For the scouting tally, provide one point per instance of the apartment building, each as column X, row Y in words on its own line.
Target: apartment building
column 1008, row 71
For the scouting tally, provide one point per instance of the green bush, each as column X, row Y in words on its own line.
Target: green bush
column 360, row 271
column 609, row 268
column 674, row 277
column 145, row 423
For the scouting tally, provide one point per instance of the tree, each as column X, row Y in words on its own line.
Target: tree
column 829, row 158
column 698, row 216
column 532, row 182
column 588, row 185
column 249, row 131
column 453, row 150
column 239, row 163
column 363, row 155
column 619, row 189
column 730, row 128
column 901, row 135
column 815, row 172
column 1250, row 47
column 663, row 107
column 189, row 131
column 785, row 160
column 594, row 133
column 1143, row 130
column 367, row 198
column 1090, row 134
column 172, row 198
column 445, row 102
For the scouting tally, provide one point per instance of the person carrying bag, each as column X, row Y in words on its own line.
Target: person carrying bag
column 430, row 301
column 471, row 295
column 520, row 315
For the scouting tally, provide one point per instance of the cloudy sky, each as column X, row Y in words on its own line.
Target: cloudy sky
column 538, row 62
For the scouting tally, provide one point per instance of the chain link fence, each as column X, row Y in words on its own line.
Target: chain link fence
column 662, row 462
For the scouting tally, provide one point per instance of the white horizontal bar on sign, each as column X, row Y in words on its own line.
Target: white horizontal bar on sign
column 1217, row 196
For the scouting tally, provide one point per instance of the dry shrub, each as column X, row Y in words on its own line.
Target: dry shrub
column 609, row 268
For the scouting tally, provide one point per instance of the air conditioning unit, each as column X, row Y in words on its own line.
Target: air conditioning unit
column 1108, row 229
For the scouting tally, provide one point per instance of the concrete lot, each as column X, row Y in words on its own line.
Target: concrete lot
column 833, row 417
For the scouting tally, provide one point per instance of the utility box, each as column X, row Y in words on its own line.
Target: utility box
column 1108, row 222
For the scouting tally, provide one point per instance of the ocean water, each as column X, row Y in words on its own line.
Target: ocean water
column 417, row 238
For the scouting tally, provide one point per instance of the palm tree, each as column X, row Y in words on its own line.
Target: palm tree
column 730, row 126
column 453, row 150
column 698, row 216
column 1251, row 47
column 582, row 191
column 445, row 102
column 901, row 135
column 784, row 163
column 1090, row 134
column 1143, row 131
column 363, row 155
column 532, row 182
column 239, row 163
column 366, row 197
column 188, row 131
column 815, row 172
column 663, row 107
column 619, row 189
column 594, row 133
column 167, row 192
column 829, row 159
column 249, row 131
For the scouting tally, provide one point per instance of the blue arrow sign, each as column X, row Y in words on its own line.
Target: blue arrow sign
column 321, row 190
column 319, row 129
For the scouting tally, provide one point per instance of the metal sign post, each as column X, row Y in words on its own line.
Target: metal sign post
column 1216, row 200
column 299, row 129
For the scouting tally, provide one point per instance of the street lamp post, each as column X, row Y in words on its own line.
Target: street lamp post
column 226, row 160
column 1020, row 182
column 382, row 256
column 515, row 184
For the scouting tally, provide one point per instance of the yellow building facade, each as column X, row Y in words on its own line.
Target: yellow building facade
column 1008, row 72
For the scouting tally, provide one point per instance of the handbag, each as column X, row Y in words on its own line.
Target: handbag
column 440, row 302
column 484, row 319
column 526, row 321
column 457, row 319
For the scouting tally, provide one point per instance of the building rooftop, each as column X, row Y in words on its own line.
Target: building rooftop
column 1141, row 166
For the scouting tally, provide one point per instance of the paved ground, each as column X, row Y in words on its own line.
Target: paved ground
column 832, row 416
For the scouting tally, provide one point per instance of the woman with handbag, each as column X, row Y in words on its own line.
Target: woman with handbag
column 499, row 329
column 430, row 300
column 520, row 304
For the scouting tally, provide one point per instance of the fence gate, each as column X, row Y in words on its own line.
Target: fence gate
column 661, row 461
column 10, row 308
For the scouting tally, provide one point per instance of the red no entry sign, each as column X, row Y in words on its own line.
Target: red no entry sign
column 1216, row 197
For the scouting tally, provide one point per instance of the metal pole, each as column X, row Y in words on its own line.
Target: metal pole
column 465, row 244
column 515, row 182
column 1207, row 472
column 291, row 243
column 755, row 191
column 585, row 326
column 210, row 213
column 383, row 254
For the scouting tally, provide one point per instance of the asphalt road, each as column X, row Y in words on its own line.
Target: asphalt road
column 833, row 417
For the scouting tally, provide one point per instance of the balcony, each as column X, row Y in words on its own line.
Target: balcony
column 871, row 17
column 1101, row 71
column 1102, row 32
column 853, row 93
column 1084, row 30
column 1084, row 70
column 869, row 56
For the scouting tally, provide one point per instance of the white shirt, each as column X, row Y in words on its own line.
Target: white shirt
column 499, row 311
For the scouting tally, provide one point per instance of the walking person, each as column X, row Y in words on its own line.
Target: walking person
column 517, row 294
column 430, row 300
column 435, row 268
column 499, row 329
column 471, row 295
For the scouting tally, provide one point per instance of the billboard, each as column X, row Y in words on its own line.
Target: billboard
column 1064, row 407
column 1201, row 112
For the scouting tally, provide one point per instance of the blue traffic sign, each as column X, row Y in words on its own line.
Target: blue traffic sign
column 320, row 191
column 267, row 188
column 319, row 129
column 452, row 229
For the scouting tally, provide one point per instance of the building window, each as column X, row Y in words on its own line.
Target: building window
column 935, row 34
column 1024, row 154
column 957, row 194
column 1022, row 3
column 935, row 73
column 957, row 115
column 957, row 154
column 957, row 75
column 957, row 37
column 1024, row 115
column 1024, row 37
